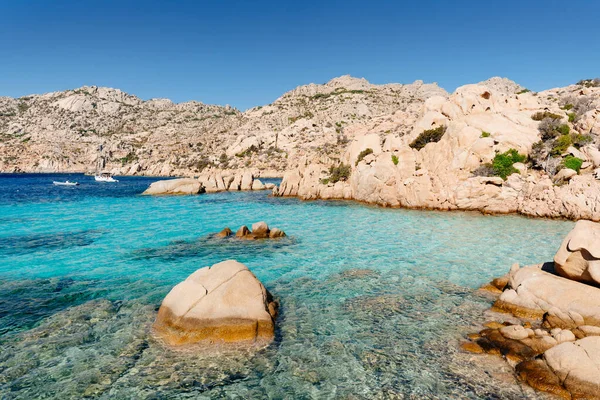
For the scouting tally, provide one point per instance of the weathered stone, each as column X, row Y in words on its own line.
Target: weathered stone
column 578, row 257
column 534, row 293
column 243, row 231
column 246, row 182
column 222, row 303
column 260, row 230
column 224, row 233
column 175, row 186
column 276, row 233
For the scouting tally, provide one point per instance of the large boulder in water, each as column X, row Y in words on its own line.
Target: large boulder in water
column 175, row 186
column 579, row 255
column 222, row 303
column 535, row 293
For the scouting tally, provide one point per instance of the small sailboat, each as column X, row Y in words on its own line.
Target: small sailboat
column 105, row 177
column 65, row 183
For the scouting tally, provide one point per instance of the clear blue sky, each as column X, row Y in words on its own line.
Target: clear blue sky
column 248, row 53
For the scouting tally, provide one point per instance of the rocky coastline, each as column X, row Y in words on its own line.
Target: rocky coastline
column 545, row 320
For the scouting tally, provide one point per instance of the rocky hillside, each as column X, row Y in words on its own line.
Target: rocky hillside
column 493, row 146
column 63, row 131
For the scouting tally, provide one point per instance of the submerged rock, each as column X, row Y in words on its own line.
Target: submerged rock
column 578, row 257
column 222, row 303
column 175, row 186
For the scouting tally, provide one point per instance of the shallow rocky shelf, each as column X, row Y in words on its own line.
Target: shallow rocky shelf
column 554, row 344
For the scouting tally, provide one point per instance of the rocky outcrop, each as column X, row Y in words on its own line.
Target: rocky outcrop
column 571, row 369
column 175, row 186
column 62, row 131
column 535, row 293
column 260, row 230
column 223, row 303
column 578, row 257
column 554, row 343
column 208, row 183
column 480, row 122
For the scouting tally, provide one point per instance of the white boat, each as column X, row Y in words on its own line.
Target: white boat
column 105, row 177
column 65, row 183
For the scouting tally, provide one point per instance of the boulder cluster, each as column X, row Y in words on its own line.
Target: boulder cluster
column 260, row 230
column 554, row 341
column 211, row 183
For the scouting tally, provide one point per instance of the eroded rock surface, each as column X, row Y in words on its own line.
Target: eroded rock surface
column 175, row 186
column 222, row 303
column 578, row 257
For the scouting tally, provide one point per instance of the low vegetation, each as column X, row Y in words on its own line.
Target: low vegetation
column 363, row 154
column 541, row 115
column 428, row 136
column 589, row 82
column 338, row 173
column 395, row 159
column 485, row 134
column 307, row 115
column 248, row 152
column 573, row 163
column 336, row 92
column 502, row 165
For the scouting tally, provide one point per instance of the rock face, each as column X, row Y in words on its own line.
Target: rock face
column 207, row 183
column 570, row 370
column 222, row 303
column 534, row 293
column 578, row 257
column 175, row 186
column 62, row 131
column 480, row 121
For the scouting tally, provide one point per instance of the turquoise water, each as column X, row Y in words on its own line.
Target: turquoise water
column 373, row 301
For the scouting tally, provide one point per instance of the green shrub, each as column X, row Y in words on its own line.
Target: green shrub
column 564, row 129
column 524, row 91
column 568, row 106
column 540, row 115
column 22, row 107
column 573, row 163
column 485, row 134
column 502, row 164
column 572, row 117
column 340, row 173
column 363, row 154
column 580, row 140
column 561, row 145
column 428, row 136
column 395, row 159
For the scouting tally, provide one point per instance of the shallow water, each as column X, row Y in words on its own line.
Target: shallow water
column 373, row 301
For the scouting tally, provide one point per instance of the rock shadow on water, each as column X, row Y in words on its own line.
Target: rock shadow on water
column 23, row 244
column 231, row 248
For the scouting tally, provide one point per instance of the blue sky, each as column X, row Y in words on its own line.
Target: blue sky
column 248, row 53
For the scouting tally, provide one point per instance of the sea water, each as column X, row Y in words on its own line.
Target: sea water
column 374, row 302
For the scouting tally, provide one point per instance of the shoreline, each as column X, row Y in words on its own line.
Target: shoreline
column 463, row 210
